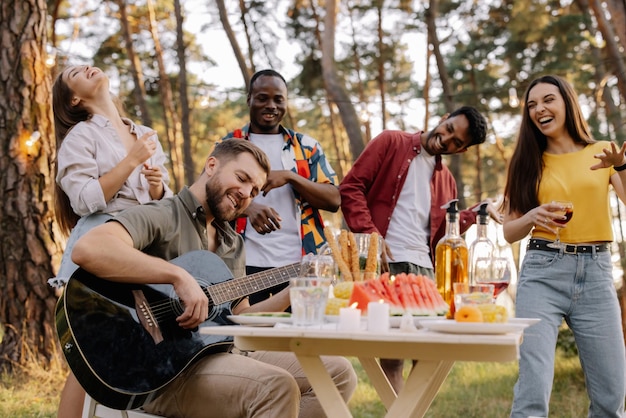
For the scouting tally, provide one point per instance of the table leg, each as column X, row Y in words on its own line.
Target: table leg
column 379, row 380
column 420, row 389
column 325, row 389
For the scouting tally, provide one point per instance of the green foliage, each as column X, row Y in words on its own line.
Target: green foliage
column 566, row 342
column 491, row 51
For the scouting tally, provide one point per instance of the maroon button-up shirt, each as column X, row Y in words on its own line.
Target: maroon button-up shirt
column 370, row 190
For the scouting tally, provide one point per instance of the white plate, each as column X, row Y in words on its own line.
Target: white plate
column 394, row 320
column 452, row 327
column 529, row 321
column 259, row 320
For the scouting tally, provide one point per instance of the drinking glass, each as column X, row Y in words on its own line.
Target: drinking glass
column 472, row 294
column 496, row 270
column 318, row 265
column 309, row 291
column 501, row 268
column 309, row 296
column 568, row 212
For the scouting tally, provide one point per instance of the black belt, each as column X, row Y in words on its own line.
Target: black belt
column 539, row 244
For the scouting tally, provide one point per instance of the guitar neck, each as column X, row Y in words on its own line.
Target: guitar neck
column 244, row 286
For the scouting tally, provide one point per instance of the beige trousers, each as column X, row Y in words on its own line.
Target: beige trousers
column 260, row 385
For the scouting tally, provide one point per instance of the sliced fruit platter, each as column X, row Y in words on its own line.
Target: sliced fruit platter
column 411, row 293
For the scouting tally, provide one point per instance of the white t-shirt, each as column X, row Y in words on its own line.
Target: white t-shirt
column 283, row 246
column 409, row 228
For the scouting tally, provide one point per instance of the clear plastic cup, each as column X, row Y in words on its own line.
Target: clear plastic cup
column 309, row 296
column 472, row 294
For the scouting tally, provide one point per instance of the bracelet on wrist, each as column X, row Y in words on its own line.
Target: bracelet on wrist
column 620, row 168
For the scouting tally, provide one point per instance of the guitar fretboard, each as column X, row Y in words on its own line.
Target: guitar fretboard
column 236, row 288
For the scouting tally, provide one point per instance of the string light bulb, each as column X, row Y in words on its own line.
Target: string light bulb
column 31, row 142
column 51, row 56
column 513, row 99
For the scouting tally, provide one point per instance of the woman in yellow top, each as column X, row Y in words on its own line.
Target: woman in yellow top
column 556, row 159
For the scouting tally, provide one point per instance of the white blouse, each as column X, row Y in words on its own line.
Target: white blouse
column 91, row 149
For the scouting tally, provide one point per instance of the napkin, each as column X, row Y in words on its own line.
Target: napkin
column 407, row 323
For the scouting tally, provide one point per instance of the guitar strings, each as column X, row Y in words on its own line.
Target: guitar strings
column 227, row 291
column 231, row 290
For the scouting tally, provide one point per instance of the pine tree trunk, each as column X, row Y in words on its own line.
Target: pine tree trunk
column 335, row 88
column 139, row 90
column 454, row 159
column 27, row 228
column 617, row 66
column 246, row 71
column 190, row 170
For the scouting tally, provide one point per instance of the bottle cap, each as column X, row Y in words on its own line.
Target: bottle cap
column 483, row 214
column 451, row 209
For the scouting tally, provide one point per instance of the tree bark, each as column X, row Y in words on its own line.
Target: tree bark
column 170, row 117
column 27, row 228
column 617, row 10
column 190, row 171
column 139, row 91
column 455, row 159
column 241, row 60
column 612, row 48
column 335, row 88
column 381, row 62
column 365, row 113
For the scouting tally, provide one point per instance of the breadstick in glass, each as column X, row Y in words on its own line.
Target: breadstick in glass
column 344, row 246
column 354, row 257
column 372, row 256
column 344, row 270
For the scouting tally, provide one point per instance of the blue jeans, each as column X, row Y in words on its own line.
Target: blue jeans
column 67, row 267
column 578, row 288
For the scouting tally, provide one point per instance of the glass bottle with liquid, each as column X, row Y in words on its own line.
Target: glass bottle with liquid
column 482, row 251
column 451, row 257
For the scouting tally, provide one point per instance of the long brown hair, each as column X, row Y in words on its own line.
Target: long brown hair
column 66, row 117
column 526, row 166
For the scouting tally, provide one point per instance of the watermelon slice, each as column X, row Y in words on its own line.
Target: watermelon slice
column 415, row 302
column 396, row 306
column 429, row 291
column 363, row 294
column 411, row 293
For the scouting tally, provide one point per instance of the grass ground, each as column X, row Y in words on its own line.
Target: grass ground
column 472, row 390
column 485, row 390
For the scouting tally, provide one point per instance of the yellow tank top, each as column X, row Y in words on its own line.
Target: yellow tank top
column 568, row 177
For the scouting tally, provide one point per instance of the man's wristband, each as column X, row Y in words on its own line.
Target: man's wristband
column 620, row 168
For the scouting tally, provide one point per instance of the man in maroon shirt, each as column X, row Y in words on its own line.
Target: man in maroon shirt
column 397, row 187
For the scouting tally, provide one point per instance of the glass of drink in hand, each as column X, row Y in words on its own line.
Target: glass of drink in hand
column 567, row 210
column 501, row 274
column 495, row 271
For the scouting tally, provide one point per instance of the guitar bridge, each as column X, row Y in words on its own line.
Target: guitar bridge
column 146, row 317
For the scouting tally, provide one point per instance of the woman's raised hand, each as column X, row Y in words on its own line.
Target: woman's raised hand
column 143, row 148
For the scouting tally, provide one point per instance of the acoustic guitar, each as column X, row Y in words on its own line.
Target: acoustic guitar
column 122, row 341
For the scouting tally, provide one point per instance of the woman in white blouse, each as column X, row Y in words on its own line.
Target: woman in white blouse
column 105, row 163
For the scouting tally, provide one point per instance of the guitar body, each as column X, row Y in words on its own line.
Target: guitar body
column 122, row 341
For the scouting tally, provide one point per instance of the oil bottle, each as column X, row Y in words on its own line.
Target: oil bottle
column 451, row 258
column 482, row 250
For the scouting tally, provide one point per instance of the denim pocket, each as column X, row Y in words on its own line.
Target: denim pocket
column 539, row 259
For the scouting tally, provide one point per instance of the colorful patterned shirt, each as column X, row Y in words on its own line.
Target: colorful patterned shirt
column 303, row 155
